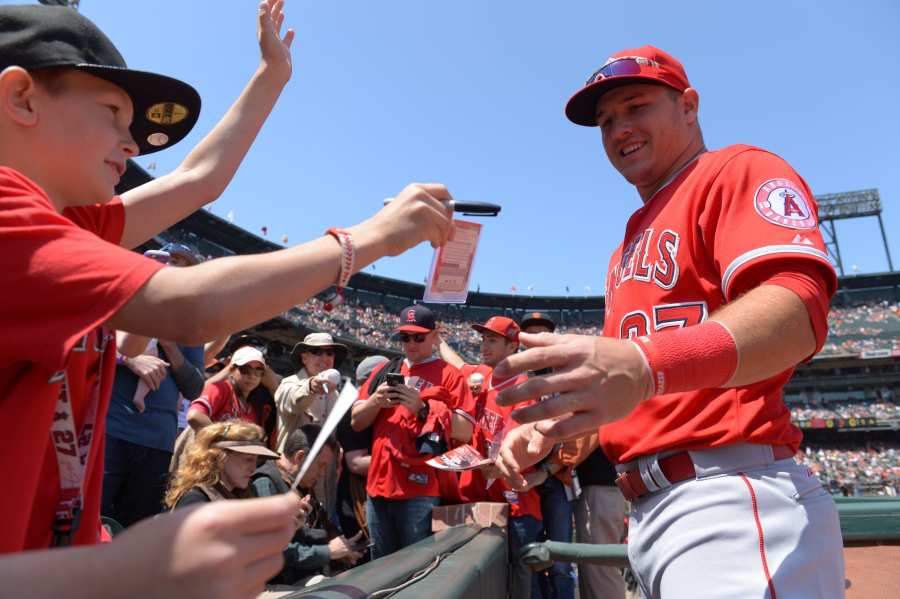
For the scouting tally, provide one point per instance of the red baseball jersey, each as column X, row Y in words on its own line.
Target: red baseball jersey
column 685, row 251
column 395, row 430
column 492, row 421
column 219, row 402
column 63, row 277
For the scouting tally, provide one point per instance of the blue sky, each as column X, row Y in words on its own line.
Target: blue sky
column 471, row 94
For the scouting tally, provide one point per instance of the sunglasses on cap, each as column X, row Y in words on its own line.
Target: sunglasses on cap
column 321, row 352
column 246, row 369
column 417, row 337
column 628, row 65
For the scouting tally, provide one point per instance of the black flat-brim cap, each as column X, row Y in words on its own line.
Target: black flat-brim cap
column 38, row 37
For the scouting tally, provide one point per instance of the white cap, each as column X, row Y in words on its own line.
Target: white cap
column 247, row 354
column 476, row 378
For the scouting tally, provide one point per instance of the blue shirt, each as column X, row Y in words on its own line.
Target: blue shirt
column 157, row 425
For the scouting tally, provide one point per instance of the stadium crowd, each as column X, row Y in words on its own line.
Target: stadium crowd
column 854, row 471
column 863, row 326
column 852, row 329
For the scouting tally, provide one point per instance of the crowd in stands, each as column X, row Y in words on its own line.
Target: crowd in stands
column 863, row 327
column 854, row 471
column 852, row 329
column 366, row 324
column 851, row 409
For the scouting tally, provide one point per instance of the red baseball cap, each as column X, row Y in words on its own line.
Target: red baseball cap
column 501, row 325
column 646, row 64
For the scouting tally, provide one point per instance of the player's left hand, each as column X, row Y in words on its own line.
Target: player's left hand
column 275, row 50
column 595, row 380
column 522, row 447
column 532, row 479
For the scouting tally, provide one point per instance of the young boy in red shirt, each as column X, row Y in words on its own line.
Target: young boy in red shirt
column 69, row 281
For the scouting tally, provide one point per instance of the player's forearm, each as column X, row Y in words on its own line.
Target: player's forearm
column 208, row 168
column 772, row 331
column 237, row 292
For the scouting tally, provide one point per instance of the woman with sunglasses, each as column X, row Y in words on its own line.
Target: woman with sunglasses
column 218, row 464
column 228, row 398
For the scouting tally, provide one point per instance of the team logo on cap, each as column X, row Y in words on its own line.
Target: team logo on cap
column 781, row 202
column 167, row 113
column 410, row 316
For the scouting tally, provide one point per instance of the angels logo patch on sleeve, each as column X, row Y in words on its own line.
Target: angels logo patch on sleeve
column 781, row 202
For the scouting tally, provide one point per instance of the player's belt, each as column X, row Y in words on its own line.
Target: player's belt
column 676, row 468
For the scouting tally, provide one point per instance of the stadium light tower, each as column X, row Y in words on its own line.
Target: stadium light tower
column 849, row 204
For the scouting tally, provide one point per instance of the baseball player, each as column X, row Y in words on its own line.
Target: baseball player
column 720, row 287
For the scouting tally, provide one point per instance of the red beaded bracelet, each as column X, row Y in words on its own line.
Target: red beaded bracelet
column 347, row 260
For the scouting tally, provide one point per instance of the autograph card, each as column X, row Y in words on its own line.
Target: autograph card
column 448, row 279
column 464, row 457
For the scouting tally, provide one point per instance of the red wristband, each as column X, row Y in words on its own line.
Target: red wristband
column 699, row 357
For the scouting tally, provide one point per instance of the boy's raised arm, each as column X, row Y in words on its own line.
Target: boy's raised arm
column 210, row 166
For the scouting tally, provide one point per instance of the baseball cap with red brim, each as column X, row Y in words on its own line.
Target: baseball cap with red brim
column 500, row 325
column 646, row 64
column 416, row 319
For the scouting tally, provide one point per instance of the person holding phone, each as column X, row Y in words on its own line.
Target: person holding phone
column 406, row 402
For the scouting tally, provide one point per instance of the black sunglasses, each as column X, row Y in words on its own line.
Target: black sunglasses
column 246, row 369
column 418, row 338
column 320, row 352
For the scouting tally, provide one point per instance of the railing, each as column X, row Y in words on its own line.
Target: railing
column 863, row 520
column 458, row 563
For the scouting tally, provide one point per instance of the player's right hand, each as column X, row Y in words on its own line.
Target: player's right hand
column 224, row 550
column 421, row 212
column 150, row 369
column 595, row 380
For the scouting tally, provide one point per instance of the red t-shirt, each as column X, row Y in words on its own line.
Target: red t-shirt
column 220, row 402
column 396, row 427
column 492, row 421
column 63, row 277
column 687, row 252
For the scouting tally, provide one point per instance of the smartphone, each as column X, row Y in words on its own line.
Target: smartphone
column 395, row 378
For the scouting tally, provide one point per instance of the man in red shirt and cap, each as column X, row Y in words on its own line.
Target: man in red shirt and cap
column 409, row 420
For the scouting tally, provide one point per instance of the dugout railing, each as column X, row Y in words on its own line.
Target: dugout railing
column 469, row 563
